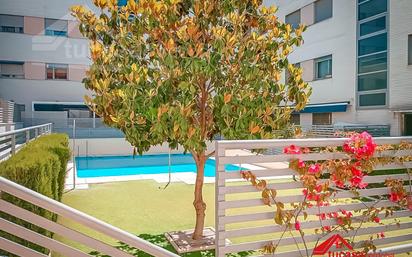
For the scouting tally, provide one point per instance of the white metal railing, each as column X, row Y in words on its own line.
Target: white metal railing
column 11, row 141
column 67, row 212
column 239, row 210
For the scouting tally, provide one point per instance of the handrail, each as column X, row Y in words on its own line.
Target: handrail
column 8, row 140
column 82, row 218
column 17, row 131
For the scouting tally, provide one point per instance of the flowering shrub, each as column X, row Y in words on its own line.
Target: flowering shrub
column 345, row 173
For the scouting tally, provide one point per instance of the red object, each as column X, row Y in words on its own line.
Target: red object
column 297, row 225
column 336, row 240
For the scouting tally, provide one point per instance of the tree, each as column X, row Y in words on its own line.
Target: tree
column 186, row 71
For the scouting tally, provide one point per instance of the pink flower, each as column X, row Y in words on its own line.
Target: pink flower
column 382, row 235
column 376, row 219
column 395, row 197
column 319, row 188
column 301, row 164
column 297, row 225
column 292, row 149
column 314, row 168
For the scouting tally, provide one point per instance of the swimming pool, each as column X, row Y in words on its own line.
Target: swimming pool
column 103, row 166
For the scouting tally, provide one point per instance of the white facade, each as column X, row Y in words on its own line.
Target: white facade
column 34, row 50
column 335, row 36
column 338, row 36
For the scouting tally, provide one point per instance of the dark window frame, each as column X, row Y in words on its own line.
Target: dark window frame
column 293, row 13
column 12, row 76
column 54, row 66
column 56, row 33
column 329, row 119
column 11, row 29
column 316, row 62
column 315, row 14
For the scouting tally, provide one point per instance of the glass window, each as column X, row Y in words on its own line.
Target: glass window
column 373, row 44
column 323, row 10
column 376, row 62
column 293, row 19
column 322, row 118
column 121, row 2
column 372, row 99
column 410, row 49
column 372, row 81
column 56, row 71
column 11, row 23
column 295, row 118
column 373, row 26
column 371, row 8
column 11, row 70
column 56, row 27
column 323, row 67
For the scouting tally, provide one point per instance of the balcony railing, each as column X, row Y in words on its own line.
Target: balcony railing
column 12, row 141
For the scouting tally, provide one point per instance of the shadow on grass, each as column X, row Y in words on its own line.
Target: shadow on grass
column 161, row 241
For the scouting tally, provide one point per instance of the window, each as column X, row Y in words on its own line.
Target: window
column 323, row 10
column 56, row 71
column 371, row 8
column 372, row 99
column 373, row 26
column 11, row 70
column 373, row 81
column 410, row 49
column 323, row 67
column 56, row 27
column 322, row 118
column 293, row 19
column 121, row 2
column 371, row 63
column 295, row 118
column 373, row 44
column 11, row 23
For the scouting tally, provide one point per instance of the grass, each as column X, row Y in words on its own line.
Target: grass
column 142, row 208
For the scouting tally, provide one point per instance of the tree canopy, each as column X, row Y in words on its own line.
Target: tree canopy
column 185, row 71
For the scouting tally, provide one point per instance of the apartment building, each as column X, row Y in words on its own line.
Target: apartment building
column 43, row 58
column 357, row 58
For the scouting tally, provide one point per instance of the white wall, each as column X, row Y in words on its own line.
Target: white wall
column 336, row 36
column 400, row 73
column 24, row 91
column 116, row 146
column 42, row 8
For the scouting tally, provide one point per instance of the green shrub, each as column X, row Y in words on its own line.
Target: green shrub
column 41, row 166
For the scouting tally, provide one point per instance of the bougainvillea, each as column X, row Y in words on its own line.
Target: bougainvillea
column 321, row 180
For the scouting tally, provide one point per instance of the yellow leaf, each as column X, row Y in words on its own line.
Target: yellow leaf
column 227, row 98
column 134, row 67
column 255, row 129
column 170, row 45
column 190, row 52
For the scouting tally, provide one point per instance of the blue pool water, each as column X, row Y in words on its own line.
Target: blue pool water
column 103, row 166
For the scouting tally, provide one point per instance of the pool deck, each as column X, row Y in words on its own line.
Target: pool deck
column 185, row 177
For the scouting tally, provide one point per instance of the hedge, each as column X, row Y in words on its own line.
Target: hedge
column 41, row 166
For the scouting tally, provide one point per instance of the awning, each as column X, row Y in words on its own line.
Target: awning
column 326, row 107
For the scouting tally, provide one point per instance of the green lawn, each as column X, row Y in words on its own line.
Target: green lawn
column 142, row 208
column 139, row 207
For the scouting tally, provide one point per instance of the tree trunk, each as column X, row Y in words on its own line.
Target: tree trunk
column 199, row 204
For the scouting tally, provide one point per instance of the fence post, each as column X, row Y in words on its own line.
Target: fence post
column 36, row 132
column 13, row 144
column 27, row 136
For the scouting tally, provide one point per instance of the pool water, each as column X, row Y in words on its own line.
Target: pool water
column 103, row 166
